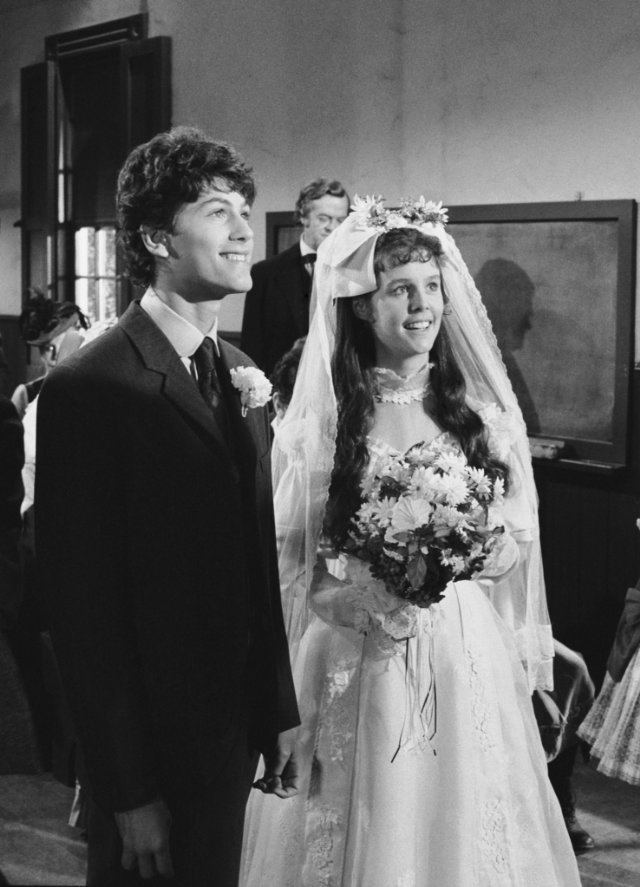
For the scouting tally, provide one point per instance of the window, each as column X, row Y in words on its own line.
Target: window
column 95, row 272
column 101, row 91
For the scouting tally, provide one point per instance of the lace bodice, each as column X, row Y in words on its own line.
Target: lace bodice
column 379, row 449
column 501, row 428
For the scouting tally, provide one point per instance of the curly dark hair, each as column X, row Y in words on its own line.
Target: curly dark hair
column 160, row 176
column 283, row 375
column 314, row 191
column 353, row 361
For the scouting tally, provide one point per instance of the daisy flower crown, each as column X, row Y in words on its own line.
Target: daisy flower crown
column 370, row 212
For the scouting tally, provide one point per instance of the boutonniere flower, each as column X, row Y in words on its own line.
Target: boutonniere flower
column 253, row 385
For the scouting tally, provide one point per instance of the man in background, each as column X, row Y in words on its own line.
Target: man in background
column 276, row 311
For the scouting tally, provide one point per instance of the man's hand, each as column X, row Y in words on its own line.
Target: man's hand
column 280, row 767
column 145, row 839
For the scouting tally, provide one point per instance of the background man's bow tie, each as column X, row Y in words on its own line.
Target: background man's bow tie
column 309, row 260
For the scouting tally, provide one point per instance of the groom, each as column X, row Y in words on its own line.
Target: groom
column 155, row 535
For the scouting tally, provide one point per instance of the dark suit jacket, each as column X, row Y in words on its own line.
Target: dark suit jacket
column 276, row 309
column 11, row 493
column 157, row 553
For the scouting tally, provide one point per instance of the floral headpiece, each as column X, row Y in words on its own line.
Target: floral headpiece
column 370, row 212
column 348, row 251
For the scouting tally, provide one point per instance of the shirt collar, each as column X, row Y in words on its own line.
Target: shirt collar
column 184, row 336
column 305, row 249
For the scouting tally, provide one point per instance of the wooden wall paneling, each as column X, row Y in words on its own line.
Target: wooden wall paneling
column 15, row 352
column 574, row 527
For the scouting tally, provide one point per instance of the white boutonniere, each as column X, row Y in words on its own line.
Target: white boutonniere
column 253, row 385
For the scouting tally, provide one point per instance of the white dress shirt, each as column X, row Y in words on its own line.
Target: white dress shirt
column 184, row 336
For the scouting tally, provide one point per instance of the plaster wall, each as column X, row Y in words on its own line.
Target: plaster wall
column 486, row 102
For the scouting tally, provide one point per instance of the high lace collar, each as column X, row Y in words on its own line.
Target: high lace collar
column 393, row 388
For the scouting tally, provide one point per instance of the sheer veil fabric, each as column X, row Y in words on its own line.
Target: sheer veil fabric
column 472, row 808
column 304, row 444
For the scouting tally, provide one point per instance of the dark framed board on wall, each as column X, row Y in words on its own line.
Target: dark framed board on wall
column 282, row 232
column 558, row 281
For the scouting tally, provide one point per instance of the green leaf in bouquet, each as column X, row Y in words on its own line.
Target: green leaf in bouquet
column 390, row 488
column 417, row 571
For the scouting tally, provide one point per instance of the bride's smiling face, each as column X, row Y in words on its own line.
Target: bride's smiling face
column 405, row 314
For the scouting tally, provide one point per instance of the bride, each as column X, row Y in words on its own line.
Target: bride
column 420, row 761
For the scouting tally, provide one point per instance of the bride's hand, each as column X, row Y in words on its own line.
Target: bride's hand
column 280, row 775
column 500, row 562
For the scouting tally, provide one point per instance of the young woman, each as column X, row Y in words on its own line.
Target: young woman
column 421, row 764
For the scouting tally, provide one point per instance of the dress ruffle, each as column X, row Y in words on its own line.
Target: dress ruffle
column 612, row 727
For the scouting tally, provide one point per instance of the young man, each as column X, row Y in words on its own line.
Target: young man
column 276, row 309
column 154, row 528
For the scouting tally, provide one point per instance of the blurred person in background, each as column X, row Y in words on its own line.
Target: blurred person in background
column 55, row 329
column 276, row 308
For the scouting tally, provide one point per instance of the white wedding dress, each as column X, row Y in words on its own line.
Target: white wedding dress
column 472, row 807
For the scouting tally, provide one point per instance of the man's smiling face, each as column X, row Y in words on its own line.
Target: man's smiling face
column 211, row 245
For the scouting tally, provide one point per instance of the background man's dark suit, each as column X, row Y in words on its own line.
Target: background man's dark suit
column 276, row 309
column 157, row 545
column 11, row 493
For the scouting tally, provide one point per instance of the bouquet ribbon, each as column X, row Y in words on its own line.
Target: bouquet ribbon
column 419, row 724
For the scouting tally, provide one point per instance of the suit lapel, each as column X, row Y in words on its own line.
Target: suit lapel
column 177, row 386
column 247, row 429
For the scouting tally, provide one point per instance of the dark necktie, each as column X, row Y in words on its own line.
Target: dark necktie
column 309, row 260
column 204, row 359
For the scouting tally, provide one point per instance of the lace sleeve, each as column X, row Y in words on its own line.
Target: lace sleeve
column 344, row 593
column 503, row 429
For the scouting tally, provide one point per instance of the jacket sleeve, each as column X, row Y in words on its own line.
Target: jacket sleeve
column 285, row 712
column 80, row 503
column 252, row 340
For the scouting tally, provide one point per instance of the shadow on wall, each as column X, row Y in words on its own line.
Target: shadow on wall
column 511, row 318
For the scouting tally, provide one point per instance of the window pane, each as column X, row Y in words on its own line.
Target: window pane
column 107, row 299
column 86, row 297
column 61, row 176
column 82, row 295
column 85, row 252
column 62, row 253
column 106, row 252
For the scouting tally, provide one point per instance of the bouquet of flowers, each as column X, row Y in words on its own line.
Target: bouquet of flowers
column 427, row 518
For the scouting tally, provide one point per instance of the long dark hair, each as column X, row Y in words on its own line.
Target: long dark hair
column 353, row 360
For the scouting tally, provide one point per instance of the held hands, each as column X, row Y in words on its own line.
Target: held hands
column 145, row 839
column 280, row 775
